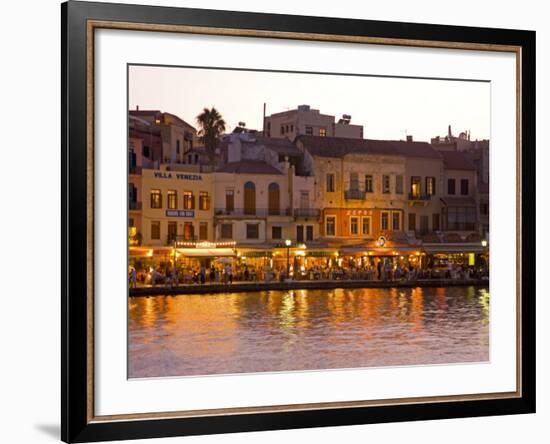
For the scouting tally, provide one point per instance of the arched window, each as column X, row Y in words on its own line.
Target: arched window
column 249, row 198
column 273, row 198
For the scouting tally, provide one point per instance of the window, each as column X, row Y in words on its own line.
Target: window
column 309, row 130
column 203, row 231
column 354, row 181
column 299, row 233
column 396, row 221
column 172, row 199
column 484, row 209
column 366, row 226
column 304, row 200
column 229, row 200
column 309, row 232
column 399, row 184
column 131, row 222
column 369, row 185
column 155, row 230
column 330, row 226
column 177, row 146
column 291, row 128
column 156, row 199
column 385, row 184
column 430, row 186
column 416, row 184
column 145, row 151
column 412, row 222
column 227, row 231
column 451, row 186
column 282, row 129
column 188, row 200
column 464, row 187
column 276, row 233
column 385, row 220
column 188, row 231
column 172, row 231
column 252, row 231
column 273, row 198
column 330, row 183
column 249, row 198
column 435, row 222
column 322, row 132
column 354, row 225
column 424, row 224
column 461, row 218
column 204, row 200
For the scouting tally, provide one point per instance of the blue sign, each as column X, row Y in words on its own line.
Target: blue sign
column 180, row 213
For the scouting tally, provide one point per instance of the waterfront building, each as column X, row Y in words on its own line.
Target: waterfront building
column 477, row 153
column 307, row 121
column 177, row 205
column 260, row 193
column 372, row 188
column 460, row 207
column 178, row 137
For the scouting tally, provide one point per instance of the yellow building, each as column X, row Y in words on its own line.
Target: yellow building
column 176, row 205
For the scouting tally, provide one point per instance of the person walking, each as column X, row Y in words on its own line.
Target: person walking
column 133, row 278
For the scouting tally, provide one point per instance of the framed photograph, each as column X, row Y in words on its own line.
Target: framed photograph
column 275, row 221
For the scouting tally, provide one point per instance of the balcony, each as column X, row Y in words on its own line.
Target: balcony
column 254, row 212
column 419, row 196
column 354, row 195
column 307, row 212
column 134, row 206
column 461, row 226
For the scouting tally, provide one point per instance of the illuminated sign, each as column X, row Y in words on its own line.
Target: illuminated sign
column 381, row 241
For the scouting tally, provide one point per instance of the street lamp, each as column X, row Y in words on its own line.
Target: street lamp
column 483, row 243
column 288, row 242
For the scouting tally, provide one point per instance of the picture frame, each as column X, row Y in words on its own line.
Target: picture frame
column 80, row 21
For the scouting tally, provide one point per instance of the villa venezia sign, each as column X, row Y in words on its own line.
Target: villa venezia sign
column 180, row 213
column 179, row 176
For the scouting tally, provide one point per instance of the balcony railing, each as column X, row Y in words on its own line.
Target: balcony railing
column 461, row 226
column 354, row 195
column 259, row 212
column 307, row 212
column 419, row 196
column 134, row 205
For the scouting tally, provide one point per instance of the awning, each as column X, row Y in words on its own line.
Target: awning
column 379, row 251
column 206, row 252
column 139, row 252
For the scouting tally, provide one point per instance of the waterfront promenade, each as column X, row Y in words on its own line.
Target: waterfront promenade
column 241, row 286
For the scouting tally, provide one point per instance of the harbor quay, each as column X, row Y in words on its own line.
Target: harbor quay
column 243, row 287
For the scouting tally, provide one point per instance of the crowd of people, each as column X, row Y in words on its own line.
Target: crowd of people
column 383, row 270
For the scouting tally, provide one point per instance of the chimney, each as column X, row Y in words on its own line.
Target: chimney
column 409, row 138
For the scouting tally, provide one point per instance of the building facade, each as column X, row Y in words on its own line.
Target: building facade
column 176, row 206
column 307, row 121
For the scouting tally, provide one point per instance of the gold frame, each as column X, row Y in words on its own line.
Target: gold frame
column 92, row 25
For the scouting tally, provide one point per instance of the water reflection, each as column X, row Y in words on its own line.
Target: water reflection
column 306, row 329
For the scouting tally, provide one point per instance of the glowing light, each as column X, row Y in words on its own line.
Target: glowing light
column 483, row 243
column 288, row 242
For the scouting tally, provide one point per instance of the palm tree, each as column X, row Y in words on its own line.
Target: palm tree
column 211, row 127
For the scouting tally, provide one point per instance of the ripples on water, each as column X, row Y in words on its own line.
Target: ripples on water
column 305, row 330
